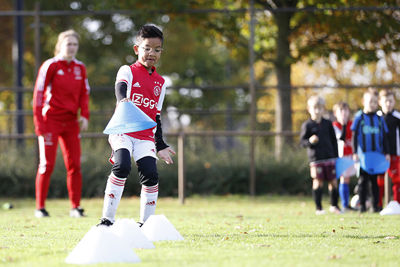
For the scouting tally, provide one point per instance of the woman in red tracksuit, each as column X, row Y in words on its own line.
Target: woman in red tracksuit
column 61, row 90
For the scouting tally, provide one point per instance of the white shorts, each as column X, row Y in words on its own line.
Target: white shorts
column 137, row 148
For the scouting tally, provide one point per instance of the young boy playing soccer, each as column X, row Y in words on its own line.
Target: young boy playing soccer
column 318, row 136
column 370, row 135
column 392, row 119
column 141, row 84
column 342, row 127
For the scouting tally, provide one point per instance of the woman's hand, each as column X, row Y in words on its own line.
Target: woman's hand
column 84, row 123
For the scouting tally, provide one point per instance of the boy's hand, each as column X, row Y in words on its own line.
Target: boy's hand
column 387, row 156
column 313, row 139
column 355, row 157
column 165, row 155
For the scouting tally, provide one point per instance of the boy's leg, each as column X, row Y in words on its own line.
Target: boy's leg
column 116, row 183
column 147, row 170
column 375, row 192
column 144, row 153
column 333, row 192
column 381, row 187
column 344, row 191
column 317, row 193
column 71, row 149
column 363, row 189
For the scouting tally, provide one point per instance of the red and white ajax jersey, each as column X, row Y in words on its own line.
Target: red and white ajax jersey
column 147, row 92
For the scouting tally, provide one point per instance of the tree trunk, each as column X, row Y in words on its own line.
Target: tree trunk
column 283, row 103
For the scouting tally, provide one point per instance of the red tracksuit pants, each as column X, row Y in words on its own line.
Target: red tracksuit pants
column 68, row 134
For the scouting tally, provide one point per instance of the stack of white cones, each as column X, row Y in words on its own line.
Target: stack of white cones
column 115, row 244
column 101, row 245
column 158, row 228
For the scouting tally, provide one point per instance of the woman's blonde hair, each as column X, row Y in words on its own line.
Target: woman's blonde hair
column 61, row 38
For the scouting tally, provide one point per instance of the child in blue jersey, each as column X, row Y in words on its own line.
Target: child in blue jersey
column 369, row 134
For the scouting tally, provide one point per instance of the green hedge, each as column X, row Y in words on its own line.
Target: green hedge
column 209, row 170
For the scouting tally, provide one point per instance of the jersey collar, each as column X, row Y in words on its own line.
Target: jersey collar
column 140, row 65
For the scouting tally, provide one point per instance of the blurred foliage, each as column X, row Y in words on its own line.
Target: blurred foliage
column 203, row 48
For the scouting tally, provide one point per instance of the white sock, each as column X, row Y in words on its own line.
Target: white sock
column 113, row 193
column 148, row 201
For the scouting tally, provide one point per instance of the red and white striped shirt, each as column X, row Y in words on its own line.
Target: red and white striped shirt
column 147, row 92
column 61, row 89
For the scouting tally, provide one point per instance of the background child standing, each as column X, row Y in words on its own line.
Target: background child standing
column 369, row 131
column 342, row 127
column 392, row 118
column 318, row 136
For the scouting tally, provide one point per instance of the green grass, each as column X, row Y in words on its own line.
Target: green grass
column 218, row 231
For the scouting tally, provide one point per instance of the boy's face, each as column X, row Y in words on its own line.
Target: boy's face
column 342, row 115
column 387, row 103
column 316, row 112
column 149, row 51
column 370, row 103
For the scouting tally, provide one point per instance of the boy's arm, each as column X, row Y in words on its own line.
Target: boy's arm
column 160, row 144
column 385, row 143
column 123, row 81
column 121, row 89
column 354, row 141
column 333, row 139
column 304, row 136
column 164, row 151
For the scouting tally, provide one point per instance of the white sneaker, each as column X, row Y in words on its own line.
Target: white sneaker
column 41, row 213
column 320, row 212
column 335, row 210
column 77, row 212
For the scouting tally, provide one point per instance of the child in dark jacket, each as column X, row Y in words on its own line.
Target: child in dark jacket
column 318, row 136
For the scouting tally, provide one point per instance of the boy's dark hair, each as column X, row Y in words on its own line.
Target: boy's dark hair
column 149, row 31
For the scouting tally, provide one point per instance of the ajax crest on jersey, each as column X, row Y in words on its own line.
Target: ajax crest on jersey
column 128, row 118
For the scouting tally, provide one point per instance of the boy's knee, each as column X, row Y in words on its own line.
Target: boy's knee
column 147, row 170
column 122, row 163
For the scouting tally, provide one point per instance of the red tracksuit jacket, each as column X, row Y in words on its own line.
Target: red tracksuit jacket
column 61, row 89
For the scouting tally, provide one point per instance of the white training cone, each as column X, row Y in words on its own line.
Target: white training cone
column 158, row 228
column 393, row 208
column 128, row 118
column 130, row 231
column 101, row 245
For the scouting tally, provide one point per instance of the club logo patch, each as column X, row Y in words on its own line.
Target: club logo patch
column 157, row 90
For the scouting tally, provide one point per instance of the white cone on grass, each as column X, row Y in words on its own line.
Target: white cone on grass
column 130, row 231
column 393, row 208
column 101, row 245
column 158, row 228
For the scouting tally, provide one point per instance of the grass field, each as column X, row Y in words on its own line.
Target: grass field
column 218, row 231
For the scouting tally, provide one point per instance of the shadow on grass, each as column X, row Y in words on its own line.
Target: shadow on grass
column 316, row 235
